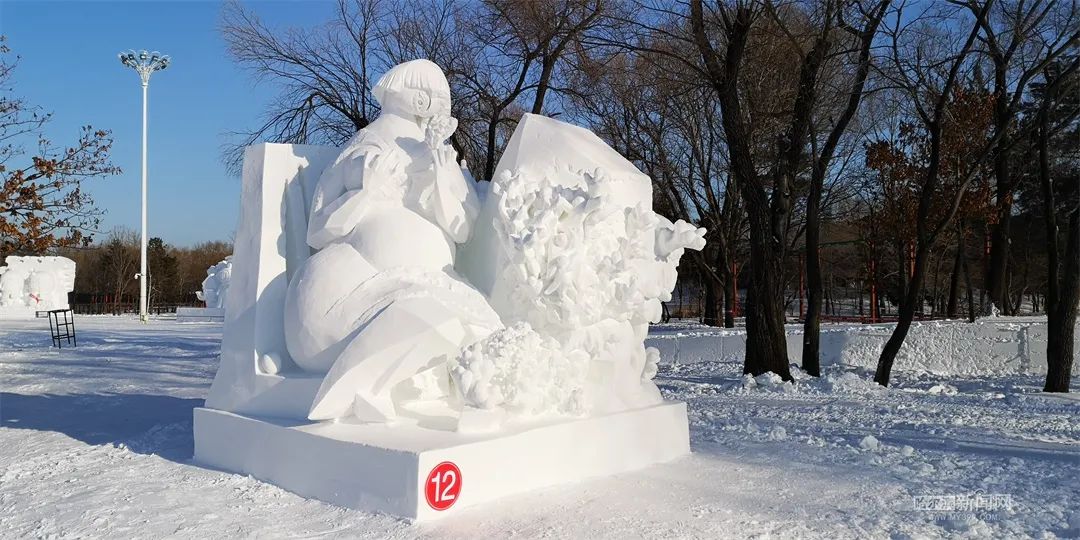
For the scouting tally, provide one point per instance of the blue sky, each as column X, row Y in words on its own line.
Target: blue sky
column 69, row 66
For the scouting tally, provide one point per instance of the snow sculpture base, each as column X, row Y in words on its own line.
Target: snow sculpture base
column 196, row 314
column 19, row 312
column 377, row 467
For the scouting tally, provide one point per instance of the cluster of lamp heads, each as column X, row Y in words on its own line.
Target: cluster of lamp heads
column 144, row 61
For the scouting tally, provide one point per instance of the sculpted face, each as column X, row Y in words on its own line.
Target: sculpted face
column 416, row 102
column 440, row 104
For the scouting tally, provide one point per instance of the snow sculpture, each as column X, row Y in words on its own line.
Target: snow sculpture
column 215, row 289
column 12, row 286
column 387, row 318
column 30, row 284
column 216, row 285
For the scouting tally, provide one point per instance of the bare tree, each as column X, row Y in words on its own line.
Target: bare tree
column 927, row 69
column 119, row 263
column 325, row 74
column 929, row 83
column 1058, row 110
column 861, row 41
column 500, row 56
column 520, row 44
column 769, row 197
column 644, row 106
column 1017, row 36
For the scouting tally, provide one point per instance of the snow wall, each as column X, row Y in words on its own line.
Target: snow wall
column 1000, row 346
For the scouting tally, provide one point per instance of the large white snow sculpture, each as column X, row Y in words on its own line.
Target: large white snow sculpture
column 216, row 285
column 31, row 284
column 390, row 331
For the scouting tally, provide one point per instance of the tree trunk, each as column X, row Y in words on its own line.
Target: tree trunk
column 710, row 316
column 811, row 350
column 812, row 325
column 811, row 354
column 547, row 68
column 730, row 286
column 766, row 341
column 730, row 290
column 954, row 280
column 1063, row 290
column 1000, row 236
column 492, row 133
column 970, row 290
column 1061, row 323
column 723, row 265
column 935, row 291
column 908, row 302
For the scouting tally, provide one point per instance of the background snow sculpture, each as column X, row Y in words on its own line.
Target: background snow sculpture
column 36, row 283
column 13, row 286
column 215, row 287
column 572, row 256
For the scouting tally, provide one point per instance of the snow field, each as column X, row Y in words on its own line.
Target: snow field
column 97, row 442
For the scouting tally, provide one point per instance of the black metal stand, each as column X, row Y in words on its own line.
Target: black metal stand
column 62, row 326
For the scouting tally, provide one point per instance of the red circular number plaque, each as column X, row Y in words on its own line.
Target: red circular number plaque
column 443, row 486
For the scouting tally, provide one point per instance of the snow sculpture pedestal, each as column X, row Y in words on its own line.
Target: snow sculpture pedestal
column 393, row 468
column 199, row 314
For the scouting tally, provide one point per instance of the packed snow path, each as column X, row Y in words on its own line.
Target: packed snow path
column 97, row 443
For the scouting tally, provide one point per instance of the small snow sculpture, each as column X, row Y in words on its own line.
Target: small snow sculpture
column 12, row 286
column 216, row 285
column 37, row 283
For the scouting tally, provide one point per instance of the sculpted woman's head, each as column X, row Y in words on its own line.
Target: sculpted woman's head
column 415, row 88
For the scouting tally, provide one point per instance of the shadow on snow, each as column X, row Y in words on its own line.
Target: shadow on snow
column 145, row 424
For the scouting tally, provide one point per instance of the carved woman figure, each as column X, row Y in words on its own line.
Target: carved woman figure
column 380, row 302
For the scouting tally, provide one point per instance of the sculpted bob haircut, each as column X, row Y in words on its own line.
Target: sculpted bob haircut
column 413, row 75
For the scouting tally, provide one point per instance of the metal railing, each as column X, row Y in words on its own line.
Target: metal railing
column 125, row 308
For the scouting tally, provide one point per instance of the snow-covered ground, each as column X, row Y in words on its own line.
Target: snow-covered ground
column 95, row 441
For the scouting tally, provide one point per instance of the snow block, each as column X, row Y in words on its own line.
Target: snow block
column 277, row 181
column 195, row 314
column 402, row 469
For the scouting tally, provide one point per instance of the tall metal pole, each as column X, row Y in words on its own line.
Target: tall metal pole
column 143, row 316
column 145, row 64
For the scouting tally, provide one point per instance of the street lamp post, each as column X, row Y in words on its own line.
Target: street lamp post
column 145, row 63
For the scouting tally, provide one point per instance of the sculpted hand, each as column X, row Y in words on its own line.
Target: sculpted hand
column 381, row 177
column 384, row 174
column 438, row 129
